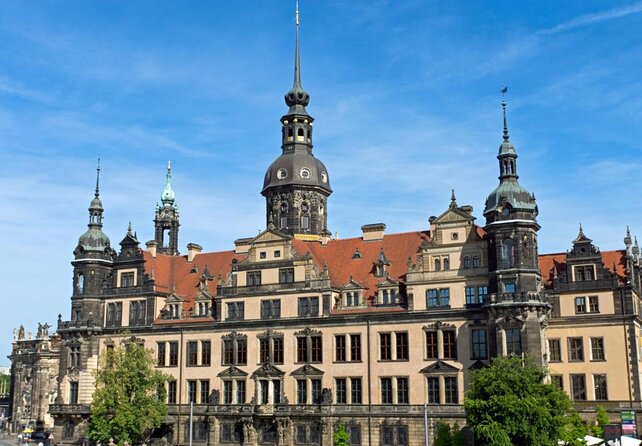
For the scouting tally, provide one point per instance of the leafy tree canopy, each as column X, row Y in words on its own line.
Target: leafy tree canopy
column 129, row 399
column 509, row 404
column 341, row 436
column 601, row 418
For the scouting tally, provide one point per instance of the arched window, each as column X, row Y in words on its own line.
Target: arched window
column 508, row 260
column 300, row 132
column 304, row 207
column 446, row 264
column 506, row 212
column 437, row 265
column 476, row 262
column 290, row 132
column 466, row 262
column 81, row 283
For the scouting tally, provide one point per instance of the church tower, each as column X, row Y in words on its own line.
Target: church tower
column 297, row 185
column 166, row 223
column 518, row 308
column 93, row 258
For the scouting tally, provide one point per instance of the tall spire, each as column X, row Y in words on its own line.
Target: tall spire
column 168, row 196
column 97, row 179
column 504, row 91
column 297, row 98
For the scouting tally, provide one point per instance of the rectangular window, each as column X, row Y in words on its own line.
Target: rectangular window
column 160, row 353
column 270, row 309
column 450, row 344
column 240, row 392
column 385, row 347
column 480, row 350
column 431, row 345
column 340, row 344
column 308, row 306
column 171, row 392
column 241, row 351
column 355, row 347
column 444, row 297
column 127, row 279
column 433, row 390
column 471, row 297
column 402, row 346
column 575, row 349
column 301, row 349
column 594, row 304
column 513, row 341
column 253, row 278
column 305, row 222
column 355, row 390
column 235, row 311
column 340, row 386
column 278, row 350
column 482, row 293
column 557, row 381
column 578, row 386
column 228, row 352
column 315, row 391
column 206, row 352
column 301, row 391
column 137, row 312
column 599, row 383
column 402, row 391
column 73, row 392
column 114, row 314
column 286, row 275
column 451, row 391
column 555, row 350
column 231, row 433
column 580, row 305
column 597, row 349
column 227, row 392
column 431, row 298
column 74, row 356
column 192, row 353
column 173, row 354
column 264, row 350
column 386, row 390
column 205, row 391
column 317, row 350
column 354, row 431
column 191, row 391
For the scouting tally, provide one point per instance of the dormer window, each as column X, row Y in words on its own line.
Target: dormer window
column 172, row 311
column 127, row 279
column 388, row 297
column 584, row 273
column 352, row 299
column 380, row 270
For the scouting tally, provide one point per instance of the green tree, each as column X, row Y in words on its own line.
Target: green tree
column 509, row 404
column 442, row 434
column 341, row 436
column 601, row 418
column 457, row 435
column 129, row 399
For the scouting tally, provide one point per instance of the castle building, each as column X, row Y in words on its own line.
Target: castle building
column 293, row 331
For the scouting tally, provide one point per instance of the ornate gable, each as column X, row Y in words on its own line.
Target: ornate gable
column 307, row 370
column 267, row 370
column 232, row 371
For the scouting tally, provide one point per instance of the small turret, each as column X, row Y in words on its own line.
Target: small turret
column 166, row 222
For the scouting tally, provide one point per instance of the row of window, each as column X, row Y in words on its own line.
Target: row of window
column 271, row 309
column 587, row 304
column 347, row 390
column 575, row 346
column 443, row 263
column 578, row 388
column 393, row 346
column 137, row 313
column 440, row 297
column 253, row 278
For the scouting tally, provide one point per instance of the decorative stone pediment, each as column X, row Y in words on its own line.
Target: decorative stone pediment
column 307, row 331
column 388, row 283
column 271, row 234
column 232, row 371
column 234, row 335
column 352, row 285
column 203, row 296
column 270, row 333
column 173, row 298
column 439, row 367
column 267, row 370
column 307, row 370
column 438, row 325
column 478, row 365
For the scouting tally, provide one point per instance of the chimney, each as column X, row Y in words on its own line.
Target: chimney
column 192, row 250
column 242, row 245
column 326, row 236
column 373, row 231
column 151, row 247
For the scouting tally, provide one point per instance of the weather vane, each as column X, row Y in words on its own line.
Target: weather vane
column 503, row 91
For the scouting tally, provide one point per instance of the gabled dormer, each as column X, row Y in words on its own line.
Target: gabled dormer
column 173, row 308
column 202, row 304
column 352, row 295
column 381, row 266
column 388, row 292
column 454, row 226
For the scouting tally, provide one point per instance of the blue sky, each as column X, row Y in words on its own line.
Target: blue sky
column 405, row 97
